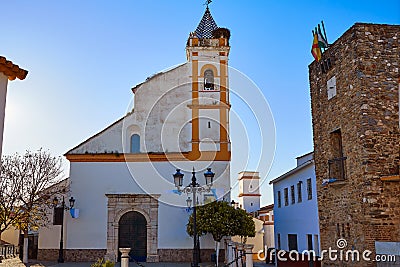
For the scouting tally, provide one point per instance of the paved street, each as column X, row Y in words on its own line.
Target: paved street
column 17, row 263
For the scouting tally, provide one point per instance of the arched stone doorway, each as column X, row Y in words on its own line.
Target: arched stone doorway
column 146, row 208
column 133, row 234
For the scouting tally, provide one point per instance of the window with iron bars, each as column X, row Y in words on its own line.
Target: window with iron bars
column 292, row 195
column 309, row 189
column 285, row 192
column 279, row 199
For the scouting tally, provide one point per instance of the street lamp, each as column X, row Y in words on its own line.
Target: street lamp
column 194, row 188
column 59, row 220
column 234, row 204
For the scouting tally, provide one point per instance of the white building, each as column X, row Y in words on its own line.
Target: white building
column 295, row 207
column 249, row 200
column 266, row 214
column 249, row 191
column 8, row 71
column 122, row 178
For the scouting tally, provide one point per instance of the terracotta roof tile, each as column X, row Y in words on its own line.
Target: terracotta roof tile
column 11, row 70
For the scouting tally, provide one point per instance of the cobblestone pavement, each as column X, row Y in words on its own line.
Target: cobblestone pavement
column 17, row 263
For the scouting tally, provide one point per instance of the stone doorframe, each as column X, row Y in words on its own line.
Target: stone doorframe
column 118, row 205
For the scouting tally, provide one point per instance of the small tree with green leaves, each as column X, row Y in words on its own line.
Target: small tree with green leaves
column 220, row 219
column 244, row 226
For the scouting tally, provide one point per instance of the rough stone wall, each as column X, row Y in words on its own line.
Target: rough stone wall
column 186, row 255
column 361, row 209
column 92, row 255
column 47, row 254
column 72, row 255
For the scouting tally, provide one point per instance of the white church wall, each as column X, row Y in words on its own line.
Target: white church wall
column 162, row 103
column 209, row 129
column 209, row 97
column 206, row 58
column 91, row 181
column 160, row 112
column 105, row 142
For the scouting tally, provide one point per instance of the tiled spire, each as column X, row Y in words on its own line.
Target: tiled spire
column 206, row 26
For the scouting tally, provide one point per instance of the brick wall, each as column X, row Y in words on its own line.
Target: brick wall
column 361, row 209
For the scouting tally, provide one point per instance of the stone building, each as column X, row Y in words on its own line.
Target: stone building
column 355, row 114
column 122, row 178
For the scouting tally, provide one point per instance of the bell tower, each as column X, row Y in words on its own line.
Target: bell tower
column 207, row 52
column 249, row 191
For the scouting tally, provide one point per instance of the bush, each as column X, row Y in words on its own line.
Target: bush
column 102, row 263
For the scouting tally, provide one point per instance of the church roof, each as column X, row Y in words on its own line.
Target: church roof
column 206, row 26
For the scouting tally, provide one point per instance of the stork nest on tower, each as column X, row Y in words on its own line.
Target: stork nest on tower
column 221, row 32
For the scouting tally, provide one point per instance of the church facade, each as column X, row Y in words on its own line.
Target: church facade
column 122, row 178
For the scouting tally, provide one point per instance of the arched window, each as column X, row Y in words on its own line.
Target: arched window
column 208, row 79
column 135, row 143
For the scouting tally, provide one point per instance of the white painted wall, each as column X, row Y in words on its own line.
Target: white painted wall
column 209, row 130
column 258, row 239
column 269, row 239
column 91, row 181
column 3, row 96
column 250, row 203
column 105, row 142
column 49, row 235
column 303, row 159
column 248, row 186
column 299, row 218
column 161, row 117
column 11, row 235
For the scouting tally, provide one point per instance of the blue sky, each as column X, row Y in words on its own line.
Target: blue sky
column 84, row 56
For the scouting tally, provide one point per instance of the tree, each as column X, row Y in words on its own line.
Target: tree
column 245, row 226
column 33, row 181
column 10, row 190
column 220, row 219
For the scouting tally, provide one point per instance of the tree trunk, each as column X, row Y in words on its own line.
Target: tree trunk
column 25, row 252
column 217, row 252
column 0, row 240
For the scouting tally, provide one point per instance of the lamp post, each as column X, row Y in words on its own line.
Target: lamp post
column 194, row 188
column 61, row 210
column 234, row 204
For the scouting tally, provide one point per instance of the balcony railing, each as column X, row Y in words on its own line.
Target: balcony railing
column 7, row 251
column 337, row 168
